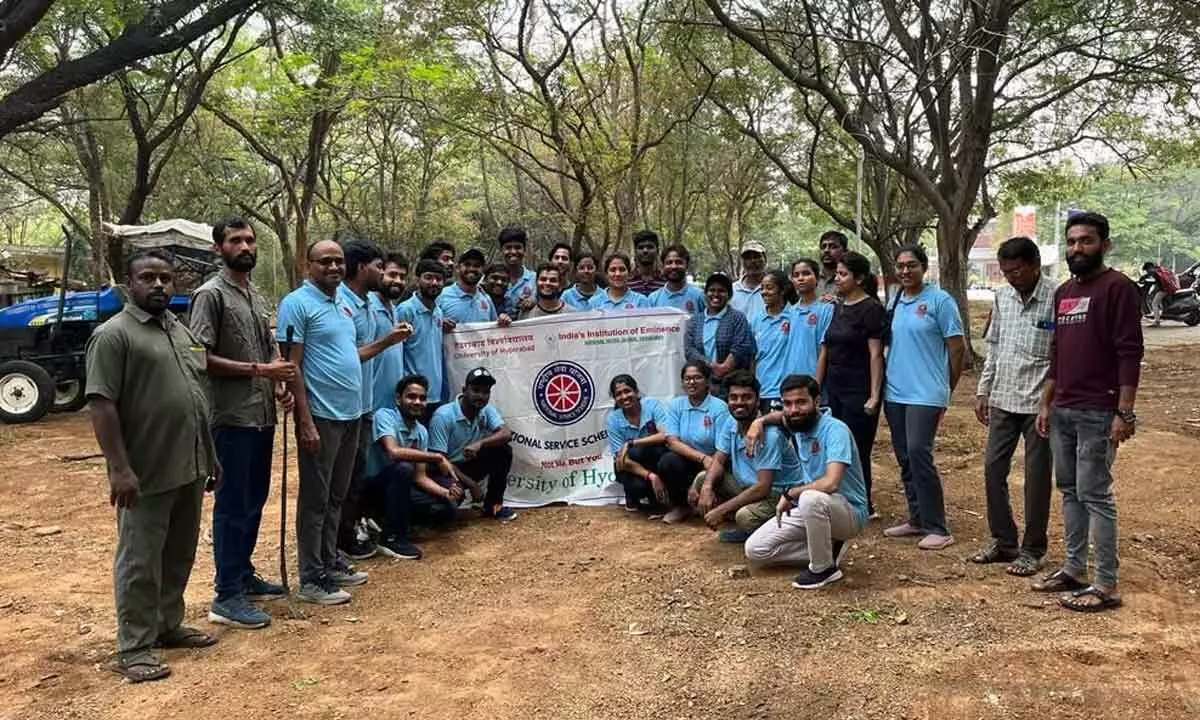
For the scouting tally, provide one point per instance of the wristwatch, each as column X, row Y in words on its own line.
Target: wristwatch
column 1128, row 416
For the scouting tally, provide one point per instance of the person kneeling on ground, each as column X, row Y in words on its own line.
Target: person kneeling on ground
column 813, row 520
column 637, row 436
column 409, row 482
column 753, row 484
column 471, row 433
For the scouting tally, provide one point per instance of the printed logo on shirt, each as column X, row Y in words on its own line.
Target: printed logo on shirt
column 691, row 306
column 1073, row 311
column 628, row 306
column 347, row 311
column 812, row 319
column 483, row 305
column 922, row 309
column 815, row 446
column 708, row 421
column 785, row 326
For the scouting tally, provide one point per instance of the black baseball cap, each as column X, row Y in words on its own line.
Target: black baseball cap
column 719, row 278
column 480, row 376
column 473, row 254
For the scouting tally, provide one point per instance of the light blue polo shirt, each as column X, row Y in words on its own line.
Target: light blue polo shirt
column 748, row 301
column 696, row 425
column 389, row 422
column 775, row 452
column 359, row 310
column 524, row 287
column 575, row 299
column 918, row 363
column 450, row 431
column 332, row 372
column 773, row 338
column 831, row 441
column 389, row 364
column 460, row 307
column 688, row 298
column 711, row 323
column 629, row 301
column 423, row 349
column 621, row 431
column 809, row 323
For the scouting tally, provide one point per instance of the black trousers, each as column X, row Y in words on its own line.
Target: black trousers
column 678, row 473
column 638, row 488
column 847, row 406
column 493, row 464
column 401, row 504
column 1005, row 429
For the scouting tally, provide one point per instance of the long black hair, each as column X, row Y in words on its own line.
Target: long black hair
column 860, row 266
column 784, row 283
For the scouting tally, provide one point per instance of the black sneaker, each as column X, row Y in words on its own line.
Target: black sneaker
column 360, row 549
column 399, row 548
column 809, row 580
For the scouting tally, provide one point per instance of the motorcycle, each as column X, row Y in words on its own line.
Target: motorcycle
column 1187, row 278
column 1181, row 305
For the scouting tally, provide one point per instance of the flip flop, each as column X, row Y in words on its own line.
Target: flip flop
column 140, row 669
column 1058, row 581
column 1107, row 602
column 184, row 637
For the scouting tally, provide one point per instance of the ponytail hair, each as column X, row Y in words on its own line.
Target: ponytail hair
column 860, row 266
column 781, row 281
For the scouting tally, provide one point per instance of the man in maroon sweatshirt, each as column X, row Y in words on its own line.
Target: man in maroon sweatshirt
column 1087, row 408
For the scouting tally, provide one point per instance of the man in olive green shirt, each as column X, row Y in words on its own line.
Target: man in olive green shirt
column 146, row 384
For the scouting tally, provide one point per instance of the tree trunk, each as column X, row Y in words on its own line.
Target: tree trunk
column 952, row 271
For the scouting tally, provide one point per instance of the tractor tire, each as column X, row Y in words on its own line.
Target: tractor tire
column 69, row 396
column 26, row 391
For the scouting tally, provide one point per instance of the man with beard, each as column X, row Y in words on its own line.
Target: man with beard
column 246, row 377
column 740, row 484
column 1087, row 408
column 647, row 279
column 463, row 302
column 561, row 258
column 549, row 293
column 389, row 364
column 442, row 252
column 677, row 293
column 423, row 350
column 150, row 413
column 720, row 336
column 833, row 246
column 747, row 292
column 518, row 296
column 495, row 284
column 814, row 518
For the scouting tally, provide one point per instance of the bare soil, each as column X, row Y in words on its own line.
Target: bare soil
column 589, row 613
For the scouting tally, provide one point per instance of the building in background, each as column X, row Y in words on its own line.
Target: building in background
column 984, row 270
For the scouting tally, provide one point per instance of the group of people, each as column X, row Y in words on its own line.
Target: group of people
column 769, row 442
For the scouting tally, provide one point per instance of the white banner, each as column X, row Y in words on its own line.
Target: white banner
column 552, row 376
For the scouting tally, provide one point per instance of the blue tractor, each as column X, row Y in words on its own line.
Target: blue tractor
column 42, row 341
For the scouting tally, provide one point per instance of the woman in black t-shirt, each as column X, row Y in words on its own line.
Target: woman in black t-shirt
column 850, row 366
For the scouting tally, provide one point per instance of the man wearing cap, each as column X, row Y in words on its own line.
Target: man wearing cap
column 521, row 280
column 647, row 279
column 463, row 302
column 720, row 336
column 472, row 434
column 747, row 292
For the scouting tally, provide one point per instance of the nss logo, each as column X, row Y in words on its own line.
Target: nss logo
column 563, row 392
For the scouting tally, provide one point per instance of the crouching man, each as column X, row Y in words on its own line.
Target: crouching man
column 471, row 433
column 411, row 484
column 816, row 517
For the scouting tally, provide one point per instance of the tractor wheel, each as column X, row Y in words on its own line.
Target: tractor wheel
column 26, row 391
column 69, row 396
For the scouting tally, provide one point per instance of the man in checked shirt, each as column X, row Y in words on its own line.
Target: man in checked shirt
column 1010, row 389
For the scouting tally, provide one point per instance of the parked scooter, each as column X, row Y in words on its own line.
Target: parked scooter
column 1188, row 278
column 1181, row 305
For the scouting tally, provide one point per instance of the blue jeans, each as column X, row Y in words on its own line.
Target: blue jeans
column 913, row 430
column 402, row 504
column 245, row 457
column 1083, row 458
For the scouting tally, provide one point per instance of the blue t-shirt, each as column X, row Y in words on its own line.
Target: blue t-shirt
column 809, row 323
column 831, row 441
column 711, row 324
column 423, row 349
column 389, row 364
column 523, row 288
column 601, row 301
column 332, row 372
column 450, row 431
column 576, row 299
column 359, row 310
column 918, row 363
column 696, row 425
column 748, row 301
column 389, row 422
column 689, row 298
column 621, row 431
column 773, row 338
column 460, row 307
column 774, row 453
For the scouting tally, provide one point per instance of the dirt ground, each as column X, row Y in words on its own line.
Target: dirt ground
column 588, row 613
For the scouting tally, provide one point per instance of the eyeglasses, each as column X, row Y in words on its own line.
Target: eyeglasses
column 694, row 379
column 908, row 266
column 329, row 261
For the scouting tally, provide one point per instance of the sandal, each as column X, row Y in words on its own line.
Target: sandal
column 1025, row 565
column 184, row 637
column 1106, row 601
column 141, row 668
column 1058, row 581
column 993, row 553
